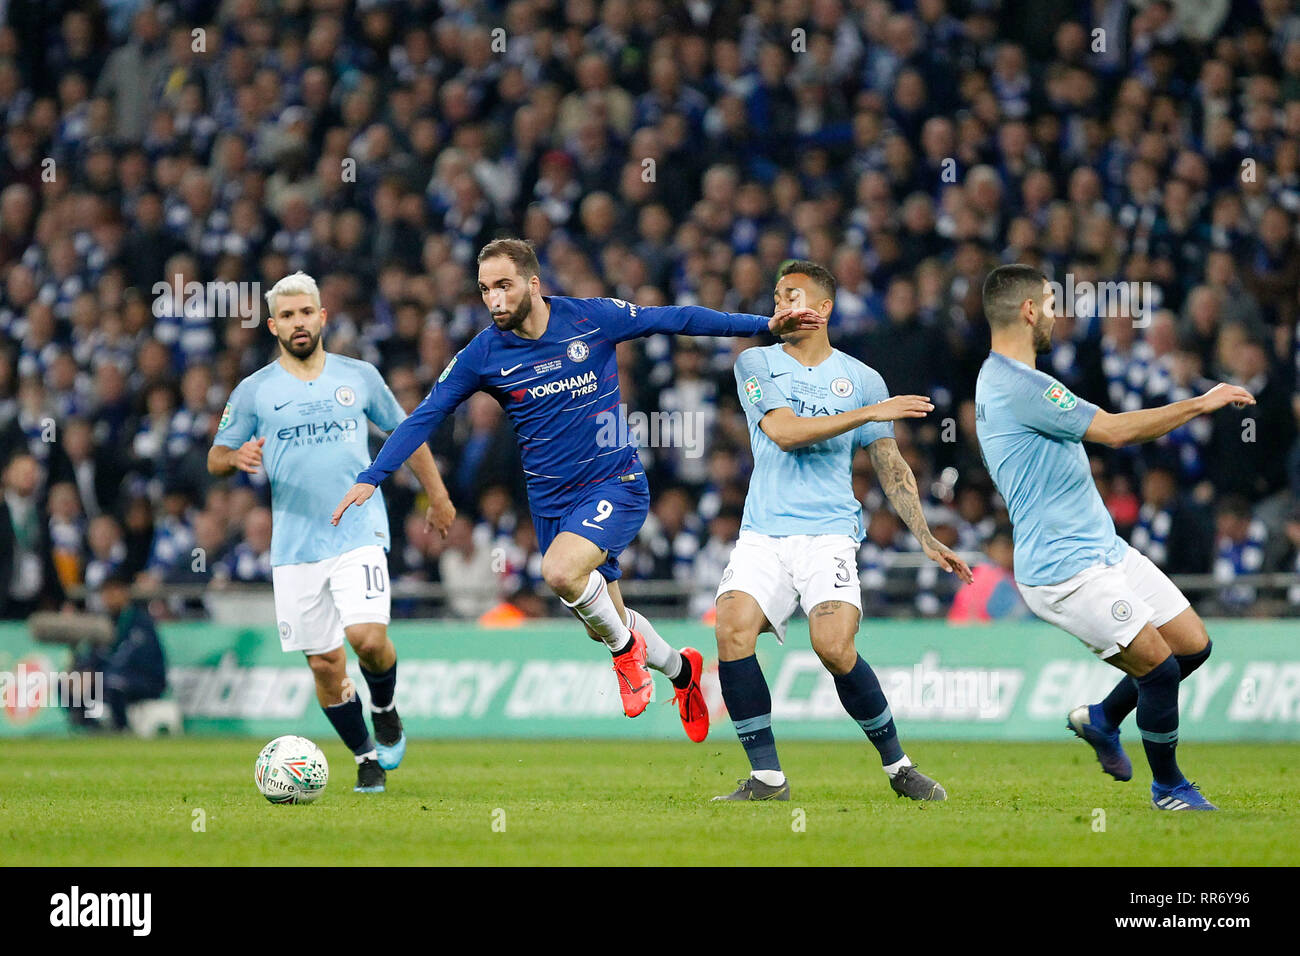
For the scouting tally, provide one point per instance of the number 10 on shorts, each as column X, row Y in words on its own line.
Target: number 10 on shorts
column 375, row 579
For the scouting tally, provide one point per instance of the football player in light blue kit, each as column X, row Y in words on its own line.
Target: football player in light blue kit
column 305, row 417
column 810, row 407
column 1072, row 568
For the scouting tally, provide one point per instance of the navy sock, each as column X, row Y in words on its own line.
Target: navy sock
column 1157, row 720
column 381, row 686
column 350, row 723
column 862, row 697
column 750, row 704
column 1189, row 662
column 1119, row 703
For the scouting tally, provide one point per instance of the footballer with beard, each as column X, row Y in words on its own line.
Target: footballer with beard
column 550, row 361
column 1072, row 568
column 304, row 418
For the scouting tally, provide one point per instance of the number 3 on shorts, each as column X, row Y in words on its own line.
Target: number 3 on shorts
column 603, row 510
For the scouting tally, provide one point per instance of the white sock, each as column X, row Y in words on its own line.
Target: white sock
column 773, row 778
column 596, row 608
column 893, row 768
column 368, row 755
column 659, row 654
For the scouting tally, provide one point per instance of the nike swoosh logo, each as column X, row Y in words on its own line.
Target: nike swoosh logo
column 844, row 585
column 588, row 524
column 634, row 690
column 278, row 407
column 371, row 597
column 507, row 371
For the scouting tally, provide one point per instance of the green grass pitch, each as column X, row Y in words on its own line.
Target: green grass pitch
column 92, row 801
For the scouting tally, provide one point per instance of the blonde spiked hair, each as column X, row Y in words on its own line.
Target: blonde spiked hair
column 299, row 283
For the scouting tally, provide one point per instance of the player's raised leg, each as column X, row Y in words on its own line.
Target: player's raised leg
column 569, row 569
column 342, row 706
column 1184, row 632
column 1150, row 662
column 833, row 625
column 748, row 700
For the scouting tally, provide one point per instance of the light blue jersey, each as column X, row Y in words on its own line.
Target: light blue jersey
column 1030, row 430
column 315, row 447
column 808, row 490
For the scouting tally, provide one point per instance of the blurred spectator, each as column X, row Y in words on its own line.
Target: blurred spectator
column 94, row 469
column 712, row 558
column 1172, row 529
column 249, row 561
column 993, row 595
column 134, row 667
column 28, row 579
column 1239, row 547
column 67, row 535
column 485, row 450
column 877, row 556
column 467, row 571
column 107, row 555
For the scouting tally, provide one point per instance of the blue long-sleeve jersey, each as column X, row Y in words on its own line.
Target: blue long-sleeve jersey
column 560, row 391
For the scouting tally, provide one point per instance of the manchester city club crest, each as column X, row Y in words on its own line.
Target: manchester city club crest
column 345, row 396
column 842, row 387
column 1121, row 611
column 578, row 351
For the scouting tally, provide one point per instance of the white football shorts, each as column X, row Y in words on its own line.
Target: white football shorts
column 315, row 601
column 1106, row 606
column 792, row 571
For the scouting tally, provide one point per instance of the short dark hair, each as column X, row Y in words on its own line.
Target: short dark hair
column 1006, row 288
column 819, row 274
column 518, row 251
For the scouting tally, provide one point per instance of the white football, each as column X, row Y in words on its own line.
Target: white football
column 291, row 769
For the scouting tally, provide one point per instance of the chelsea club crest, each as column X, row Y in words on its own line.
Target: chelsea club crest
column 578, row 351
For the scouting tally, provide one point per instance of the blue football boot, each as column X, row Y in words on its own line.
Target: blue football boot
column 1086, row 721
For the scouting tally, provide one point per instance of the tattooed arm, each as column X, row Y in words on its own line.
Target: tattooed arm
column 899, row 485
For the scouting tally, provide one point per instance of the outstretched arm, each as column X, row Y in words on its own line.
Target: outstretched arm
column 458, row 381
column 791, row 431
column 899, row 485
column 635, row 321
column 386, row 411
column 1148, row 424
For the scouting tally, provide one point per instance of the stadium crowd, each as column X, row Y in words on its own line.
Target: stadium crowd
column 658, row 152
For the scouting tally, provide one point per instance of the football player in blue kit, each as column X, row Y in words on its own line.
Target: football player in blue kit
column 550, row 362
